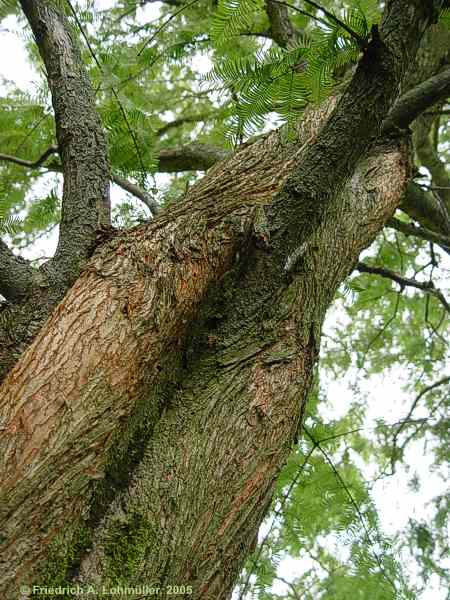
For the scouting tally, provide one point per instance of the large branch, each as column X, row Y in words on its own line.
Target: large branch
column 281, row 29
column 192, row 157
column 417, row 100
column 81, row 140
column 362, row 108
column 240, row 403
column 16, row 275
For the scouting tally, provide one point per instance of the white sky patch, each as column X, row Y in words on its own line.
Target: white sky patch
column 104, row 4
column 14, row 65
column 202, row 64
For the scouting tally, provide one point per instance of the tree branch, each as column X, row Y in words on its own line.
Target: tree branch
column 424, row 207
column 178, row 122
column 417, row 100
column 192, row 157
column 81, row 140
column 330, row 16
column 167, row 273
column 426, row 286
column 429, row 158
column 16, row 275
column 126, row 185
column 29, row 163
column 281, row 29
column 137, row 192
column 420, row 232
column 328, row 163
column 353, row 502
column 406, row 420
column 424, row 391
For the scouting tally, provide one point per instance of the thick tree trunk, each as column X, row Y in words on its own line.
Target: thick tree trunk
column 173, row 322
column 206, row 477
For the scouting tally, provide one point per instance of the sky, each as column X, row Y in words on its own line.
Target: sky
column 393, row 497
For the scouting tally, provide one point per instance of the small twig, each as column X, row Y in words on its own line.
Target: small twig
column 426, row 286
column 420, row 232
column 30, row 163
column 437, row 112
column 178, row 122
column 301, row 12
column 291, row 586
column 353, row 503
column 133, row 189
column 424, row 391
column 362, row 42
column 123, row 183
column 31, row 132
column 276, row 514
column 166, row 22
column 434, row 187
column 382, row 330
column 358, row 429
column 408, row 419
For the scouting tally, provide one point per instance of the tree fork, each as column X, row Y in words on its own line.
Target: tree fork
column 108, row 348
column 211, row 462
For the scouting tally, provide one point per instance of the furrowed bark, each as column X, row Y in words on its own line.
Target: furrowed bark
column 16, row 275
column 207, row 474
column 281, row 29
column 81, row 140
column 361, row 110
column 107, row 342
column 123, row 322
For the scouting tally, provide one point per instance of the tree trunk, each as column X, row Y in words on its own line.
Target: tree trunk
column 145, row 425
column 172, row 323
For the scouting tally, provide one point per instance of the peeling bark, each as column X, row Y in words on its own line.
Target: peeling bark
column 230, row 425
column 126, row 322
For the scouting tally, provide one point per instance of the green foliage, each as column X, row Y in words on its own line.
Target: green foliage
column 278, row 80
column 9, row 225
column 233, row 17
column 8, row 7
column 444, row 18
